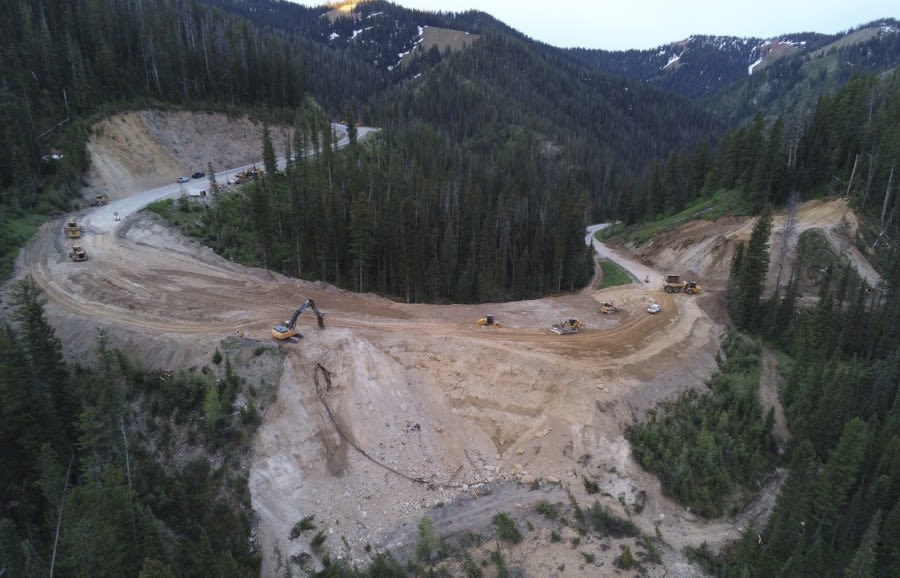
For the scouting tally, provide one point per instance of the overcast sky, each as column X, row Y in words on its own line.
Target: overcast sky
column 641, row 24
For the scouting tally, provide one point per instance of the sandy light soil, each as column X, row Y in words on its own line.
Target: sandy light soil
column 395, row 411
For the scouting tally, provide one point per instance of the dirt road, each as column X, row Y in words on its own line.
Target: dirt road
column 438, row 405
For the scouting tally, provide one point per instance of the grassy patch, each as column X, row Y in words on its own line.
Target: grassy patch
column 163, row 208
column 184, row 213
column 14, row 233
column 721, row 204
column 223, row 226
column 614, row 275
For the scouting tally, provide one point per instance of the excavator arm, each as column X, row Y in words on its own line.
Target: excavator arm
column 309, row 304
column 289, row 330
column 293, row 322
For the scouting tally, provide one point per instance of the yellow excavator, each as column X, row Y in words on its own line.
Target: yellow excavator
column 289, row 331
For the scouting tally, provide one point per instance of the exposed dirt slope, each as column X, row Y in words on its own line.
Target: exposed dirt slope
column 135, row 151
column 704, row 249
column 399, row 411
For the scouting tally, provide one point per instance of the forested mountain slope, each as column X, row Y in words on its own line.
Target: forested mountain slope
column 790, row 85
column 737, row 77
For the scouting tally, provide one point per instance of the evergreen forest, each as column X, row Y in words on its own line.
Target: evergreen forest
column 110, row 469
column 838, row 510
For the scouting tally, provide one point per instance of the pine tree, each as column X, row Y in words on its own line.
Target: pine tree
column 211, row 410
column 153, row 568
column 840, row 472
column 363, row 238
column 751, row 275
column 269, row 161
column 889, row 544
column 792, row 508
column 47, row 378
column 863, row 563
column 262, row 225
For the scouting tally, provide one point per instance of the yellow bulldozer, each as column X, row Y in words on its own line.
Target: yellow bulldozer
column 73, row 230
column 488, row 321
column 608, row 308
column 567, row 326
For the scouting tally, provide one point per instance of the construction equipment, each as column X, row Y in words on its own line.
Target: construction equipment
column 77, row 253
column 608, row 308
column 288, row 331
column 674, row 284
column 250, row 174
column 692, row 288
column 567, row 326
column 99, row 200
column 73, row 230
column 488, row 321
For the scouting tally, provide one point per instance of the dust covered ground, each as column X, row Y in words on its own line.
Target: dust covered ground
column 398, row 411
